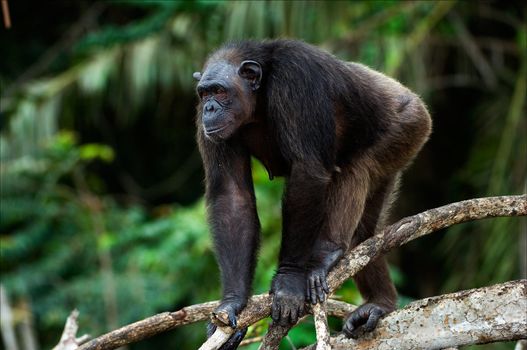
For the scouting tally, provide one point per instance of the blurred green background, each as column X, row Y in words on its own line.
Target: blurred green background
column 101, row 180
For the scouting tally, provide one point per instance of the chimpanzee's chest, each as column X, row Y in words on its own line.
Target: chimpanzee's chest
column 263, row 146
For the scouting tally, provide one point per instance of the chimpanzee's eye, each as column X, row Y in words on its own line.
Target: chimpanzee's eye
column 204, row 94
column 220, row 93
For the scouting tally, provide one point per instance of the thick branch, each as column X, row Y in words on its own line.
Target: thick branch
column 395, row 235
column 476, row 316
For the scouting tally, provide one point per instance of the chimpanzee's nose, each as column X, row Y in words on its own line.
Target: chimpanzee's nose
column 209, row 107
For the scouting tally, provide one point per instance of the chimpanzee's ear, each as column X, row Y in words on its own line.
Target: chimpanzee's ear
column 197, row 76
column 251, row 71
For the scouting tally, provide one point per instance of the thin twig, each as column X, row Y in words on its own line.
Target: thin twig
column 321, row 326
column 7, row 17
column 69, row 340
column 215, row 341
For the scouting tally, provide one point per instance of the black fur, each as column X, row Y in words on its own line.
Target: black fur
column 339, row 132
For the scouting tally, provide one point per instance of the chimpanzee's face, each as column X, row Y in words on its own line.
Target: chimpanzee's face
column 227, row 97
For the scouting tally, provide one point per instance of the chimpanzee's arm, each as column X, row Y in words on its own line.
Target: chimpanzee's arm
column 303, row 219
column 304, row 213
column 234, row 221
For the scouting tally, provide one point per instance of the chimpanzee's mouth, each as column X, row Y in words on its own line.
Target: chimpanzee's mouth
column 212, row 131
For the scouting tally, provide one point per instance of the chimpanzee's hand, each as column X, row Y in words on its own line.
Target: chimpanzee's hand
column 288, row 289
column 234, row 340
column 363, row 319
column 325, row 256
column 225, row 314
column 317, row 285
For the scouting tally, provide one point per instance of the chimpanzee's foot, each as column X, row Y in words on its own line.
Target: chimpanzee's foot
column 233, row 341
column 363, row 319
column 226, row 313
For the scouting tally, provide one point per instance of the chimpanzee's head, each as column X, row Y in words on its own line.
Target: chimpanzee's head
column 227, row 94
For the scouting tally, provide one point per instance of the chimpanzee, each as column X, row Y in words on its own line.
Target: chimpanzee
column 340, row 133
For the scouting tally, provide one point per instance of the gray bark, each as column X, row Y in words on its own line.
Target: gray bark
column 477, row 316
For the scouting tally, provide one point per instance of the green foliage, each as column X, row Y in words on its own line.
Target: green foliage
column 57, row 237
column 112, row 35
column 499, row 160
column 69, row 239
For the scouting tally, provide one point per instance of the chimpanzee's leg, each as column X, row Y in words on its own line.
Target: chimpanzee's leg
column 353, row 216
column 373, row 281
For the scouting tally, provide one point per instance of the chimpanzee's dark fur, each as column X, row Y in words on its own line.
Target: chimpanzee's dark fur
column 339, row 132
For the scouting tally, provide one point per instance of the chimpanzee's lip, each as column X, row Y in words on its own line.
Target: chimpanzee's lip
column 215, row 130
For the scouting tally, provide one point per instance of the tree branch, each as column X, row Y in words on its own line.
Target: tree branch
column 412, row 227
column 140, row 330
column 321, row 327
column 476, row 316
column 392, row 236
column 151, row 326
column 274, row 336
